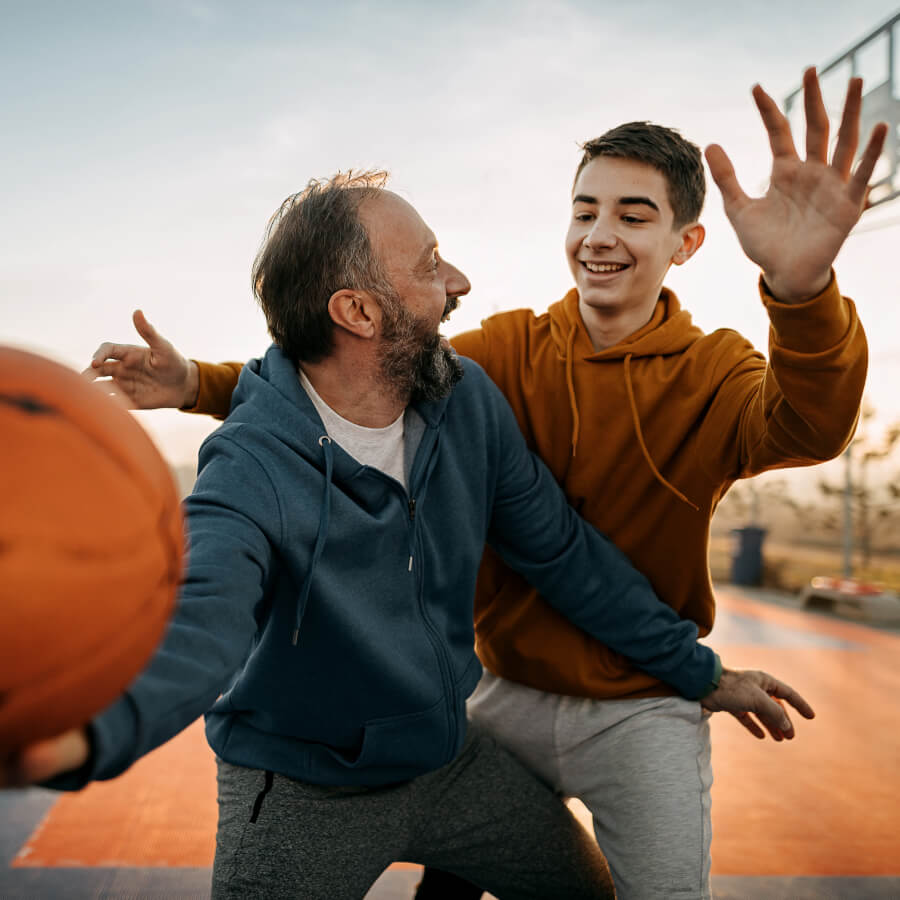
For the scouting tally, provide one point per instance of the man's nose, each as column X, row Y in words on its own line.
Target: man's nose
column 457, row 283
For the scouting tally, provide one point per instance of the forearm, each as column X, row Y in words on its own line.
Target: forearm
column 588, row 579
column 214, row 622
column 801, row 407
column 818, row 357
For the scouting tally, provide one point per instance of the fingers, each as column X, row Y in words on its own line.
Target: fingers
column 109, row 350
column 782, row 691
column 45, row 759
column 747, row 721
column 816, row 118
column 112, row 390
column 776, row 123
column 859, row 183
column 90, row 373
column 848, row 132
column 155, row 341
column 102, row 374
column 106, row 368
column 723, row 174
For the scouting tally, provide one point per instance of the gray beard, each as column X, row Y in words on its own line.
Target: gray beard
column 419, row 368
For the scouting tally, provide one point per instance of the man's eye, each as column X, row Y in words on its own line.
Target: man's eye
column 583, row 217
column 632, row 220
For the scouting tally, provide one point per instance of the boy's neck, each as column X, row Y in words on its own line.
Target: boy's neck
column 608, row 327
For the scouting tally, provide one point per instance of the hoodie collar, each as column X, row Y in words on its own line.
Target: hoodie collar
column 669, row 330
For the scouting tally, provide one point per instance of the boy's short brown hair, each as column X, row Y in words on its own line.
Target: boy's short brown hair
column 679, row 161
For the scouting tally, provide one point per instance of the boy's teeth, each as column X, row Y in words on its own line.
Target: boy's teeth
column 604, row 267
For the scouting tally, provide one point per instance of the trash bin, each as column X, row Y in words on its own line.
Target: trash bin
column 747, row 561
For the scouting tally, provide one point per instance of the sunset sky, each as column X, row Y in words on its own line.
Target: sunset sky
column 145, row 145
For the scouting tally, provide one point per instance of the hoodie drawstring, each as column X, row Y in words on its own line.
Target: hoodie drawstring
column 637, row 429
column 321, row 535
column 570, row 382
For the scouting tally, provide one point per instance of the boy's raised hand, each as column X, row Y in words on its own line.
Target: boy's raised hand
column 795, row 231
column 149, row 377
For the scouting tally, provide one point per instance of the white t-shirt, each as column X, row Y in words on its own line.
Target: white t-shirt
column 381, row 448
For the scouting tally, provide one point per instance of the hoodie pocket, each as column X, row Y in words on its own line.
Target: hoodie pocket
column 417, row 741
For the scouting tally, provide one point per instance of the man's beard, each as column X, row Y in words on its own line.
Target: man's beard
column 415, row 364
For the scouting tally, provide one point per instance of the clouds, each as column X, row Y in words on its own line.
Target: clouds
column 146, row 144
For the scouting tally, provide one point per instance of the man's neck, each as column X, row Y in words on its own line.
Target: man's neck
column 356, row 391
column 608, row 327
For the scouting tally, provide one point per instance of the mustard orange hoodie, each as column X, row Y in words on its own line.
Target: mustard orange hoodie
column 645, row 438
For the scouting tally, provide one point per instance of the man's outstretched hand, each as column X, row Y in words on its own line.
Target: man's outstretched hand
column 148, row 377
column 743, row 693
column 794, row 232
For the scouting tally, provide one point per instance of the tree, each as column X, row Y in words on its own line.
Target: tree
column 868, row 506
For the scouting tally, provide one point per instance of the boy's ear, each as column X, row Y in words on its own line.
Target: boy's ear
column 355, row 311
column 692, row 237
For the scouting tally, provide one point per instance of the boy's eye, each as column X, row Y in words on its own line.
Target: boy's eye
column 632, row 220
column 583, row 217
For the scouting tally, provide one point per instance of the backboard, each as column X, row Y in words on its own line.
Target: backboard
column 876, row 59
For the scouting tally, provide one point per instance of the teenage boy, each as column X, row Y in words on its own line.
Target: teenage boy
column 646, row 422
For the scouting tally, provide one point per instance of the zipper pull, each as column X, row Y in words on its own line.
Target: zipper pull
column 410, row 565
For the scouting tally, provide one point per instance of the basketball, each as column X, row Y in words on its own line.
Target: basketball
column 91, row 549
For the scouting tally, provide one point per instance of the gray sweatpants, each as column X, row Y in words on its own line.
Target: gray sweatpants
column 483, row 817
column 642, row 768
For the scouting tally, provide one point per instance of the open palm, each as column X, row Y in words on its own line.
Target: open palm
column 795, row 231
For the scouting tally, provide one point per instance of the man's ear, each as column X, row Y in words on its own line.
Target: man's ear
column 355, row 311
column 692, row 237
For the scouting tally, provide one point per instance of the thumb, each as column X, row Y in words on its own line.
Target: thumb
column 723, row 174
column 155, row 341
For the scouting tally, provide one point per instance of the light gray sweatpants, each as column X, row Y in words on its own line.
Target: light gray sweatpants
column 642, row 768
column 483, row 817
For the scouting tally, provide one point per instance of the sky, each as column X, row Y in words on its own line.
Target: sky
column 145, row 145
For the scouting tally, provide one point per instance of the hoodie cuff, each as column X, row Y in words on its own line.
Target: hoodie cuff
column 217, row 382
column 716, row 678
column 818, row 324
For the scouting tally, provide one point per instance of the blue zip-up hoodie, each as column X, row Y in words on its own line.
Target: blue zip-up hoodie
column 325, row 622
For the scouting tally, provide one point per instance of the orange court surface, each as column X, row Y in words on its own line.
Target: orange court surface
column 815, row 817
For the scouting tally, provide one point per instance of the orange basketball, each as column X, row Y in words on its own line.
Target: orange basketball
column 90, row 549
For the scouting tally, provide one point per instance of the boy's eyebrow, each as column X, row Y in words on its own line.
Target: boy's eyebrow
column 638, row 201
column 623, row 201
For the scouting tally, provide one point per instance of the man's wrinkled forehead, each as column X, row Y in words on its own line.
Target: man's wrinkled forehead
column 395, row 228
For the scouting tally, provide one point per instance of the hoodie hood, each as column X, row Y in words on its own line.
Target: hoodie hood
column 269, row 394
column 670, row 330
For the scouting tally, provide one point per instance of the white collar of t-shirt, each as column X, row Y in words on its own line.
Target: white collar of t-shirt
column 381, row 448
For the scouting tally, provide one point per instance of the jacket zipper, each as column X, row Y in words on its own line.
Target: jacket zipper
column 436, row 642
